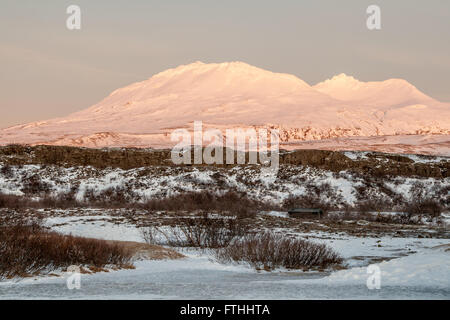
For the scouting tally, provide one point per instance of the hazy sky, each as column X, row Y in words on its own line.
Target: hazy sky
column 48, row 71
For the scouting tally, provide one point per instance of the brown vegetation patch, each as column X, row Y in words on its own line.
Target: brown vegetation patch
column 145, row 251
column 30, row 249
column 268, row 251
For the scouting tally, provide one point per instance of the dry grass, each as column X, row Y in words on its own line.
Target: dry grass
column 145, row 251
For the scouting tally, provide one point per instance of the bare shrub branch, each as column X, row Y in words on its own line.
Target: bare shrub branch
column 202, row 231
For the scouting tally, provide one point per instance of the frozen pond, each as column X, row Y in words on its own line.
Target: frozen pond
column 198, row 278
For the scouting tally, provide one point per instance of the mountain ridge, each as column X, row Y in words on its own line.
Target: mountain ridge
column 236, row 94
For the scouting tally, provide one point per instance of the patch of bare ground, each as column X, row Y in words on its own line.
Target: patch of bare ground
column 357, row 228
column 145, row 251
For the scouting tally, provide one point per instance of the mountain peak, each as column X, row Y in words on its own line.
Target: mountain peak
column 227, row 79
column 237, row 68
column 339, row 80
column 392, row 92
column 343, row 77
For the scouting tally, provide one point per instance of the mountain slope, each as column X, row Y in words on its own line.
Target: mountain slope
column 235, row 94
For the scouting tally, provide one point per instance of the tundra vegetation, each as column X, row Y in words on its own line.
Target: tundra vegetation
column 211, row 207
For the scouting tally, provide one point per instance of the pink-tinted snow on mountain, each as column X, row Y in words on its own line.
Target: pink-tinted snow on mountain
column 235, row 94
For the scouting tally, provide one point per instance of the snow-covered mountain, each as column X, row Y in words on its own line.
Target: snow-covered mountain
column 235, row 94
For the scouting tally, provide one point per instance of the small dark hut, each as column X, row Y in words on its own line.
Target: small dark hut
column 305, row 213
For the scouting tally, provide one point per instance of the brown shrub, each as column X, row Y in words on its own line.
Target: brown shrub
column 200, row 232
column 231, row 202
column 30, row 249
column 397, row 218
column 424, row 206
column 33, row 185
column 6, row 171
column 373, row 204
column 269, row 251
column 6, row 201
column 113, row 197
column 61, row 201
column 306, row 201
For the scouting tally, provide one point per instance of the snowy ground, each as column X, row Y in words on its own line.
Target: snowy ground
column 198, row 278
column 411, row 268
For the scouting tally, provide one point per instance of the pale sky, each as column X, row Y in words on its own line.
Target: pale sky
column 48, row 71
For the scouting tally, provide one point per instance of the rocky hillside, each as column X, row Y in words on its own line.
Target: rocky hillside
column 372, row 163
column 326, row 179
